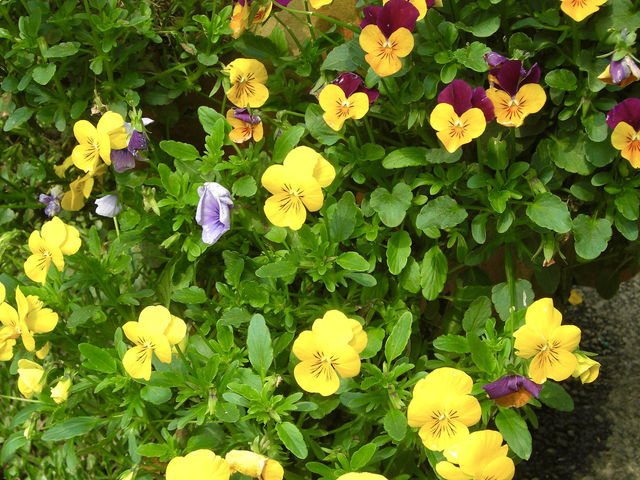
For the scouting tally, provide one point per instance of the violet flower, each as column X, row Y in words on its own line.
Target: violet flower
column 510, row 76
column 459, row 95
column 393, row 15
column 621, row 72
column 627, row 111
column 243, row 115
column 125, row 159
column 624, row 119
column 213, row 212
column 351, row 83
column 52, row 201
column 512, row 391
column 108, row 206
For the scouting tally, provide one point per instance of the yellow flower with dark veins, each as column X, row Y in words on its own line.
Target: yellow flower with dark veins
column 581, row 9
column 337, row 107
column 453, row 130
column 155, row 332
column 245, row 126
column 247, row 77
column 296, row 186
column 31, row 377
column 198, row 465
column 443, row 408
column 325, row 352
column 624, row 119
column 548, row 342
column 254, row 465
column 587, row 370
column 96, row 143
column 480, row 456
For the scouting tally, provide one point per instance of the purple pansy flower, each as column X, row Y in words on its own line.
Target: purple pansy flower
column 125, row 159
column 621, row 72
column 351, row 83
column 213, row 212
column 514, row 385
column 459, row 95
column 393, row 15
column 52, row 201
column 108, row 206
column 627, row 111
column 243, row 114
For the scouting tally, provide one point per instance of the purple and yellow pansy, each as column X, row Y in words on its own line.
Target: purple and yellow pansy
column 621, row 72
column 624, row 119
column 345, row 97
column 245, row 126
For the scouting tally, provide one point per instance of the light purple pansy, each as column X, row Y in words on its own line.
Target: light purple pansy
column 213, row 212
column 507, row 385
column 627, row 111
column 622, row 69
column 125, row 159
column 243, row 115
column 351, row 83
column 393, row 15
column 510, row 75
column 52, row 201
column 494, row 59
column 461, row 97
column 108, row 206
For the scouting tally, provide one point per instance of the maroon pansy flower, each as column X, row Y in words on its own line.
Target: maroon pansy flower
column 461, row 97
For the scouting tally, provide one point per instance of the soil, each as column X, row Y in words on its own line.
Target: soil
column 600, row 438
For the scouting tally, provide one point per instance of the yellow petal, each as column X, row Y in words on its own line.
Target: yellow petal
column 258, row 132
column 402, row 42
column 137, row 361
column 72, row 202
column 501, row 468
column 161, row 348
column 72, row 241
column 198, row 465
column 259, row 96
column 580, row 10
column 345, row 360
column 285, row 210
column 557, row 366
column 478, row 449
column 304, row 161
column 240, row 134
column 371, row 38
column 84, row 132
column 566, row 337
column 154, row 319
column 622, row 135
column 438, row 439
column 85, row 156
column 6, row 349
column 359, row 103
column 134, row 332
column 333, row 327
column 42, row 321
column 104, row 149
column 531, row 98
column 443, row 116
column 112, row 124
column 54, row 232
column 449, row 471
column 334, row 120
column 330, row 97
column 8, row 316
column 320, row 3
column 507, row 113
column 247, row 67
column 467, row 408
column 44, row 351
column 528, row 341
column 306, row 345
column 274, row 178
column 233, row 121
column 474, row 122
column 542, row 317
column 60, row 393
column 316, row 377
column 360, row 339
column 176, row 330
column 421, row 408
column 445, row 379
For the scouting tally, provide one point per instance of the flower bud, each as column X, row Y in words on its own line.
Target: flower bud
column 587, row 369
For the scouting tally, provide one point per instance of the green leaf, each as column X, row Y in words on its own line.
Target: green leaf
column 392, row 207
column 515, row 432
column 562, row 79
column 10, row 445
column 347, row 57
column 17, row 118
column 419, row 156
column 97, row 358
column 440, row 213
column 244, row 186
column 592, row 235
column 292, row 439
column 452, row 343
column 554, row 396
column 433, row 273
column 82, row 315
column 596, row 126
column 362, row 456
column 395, row 424
column 43, row 74
column 259, row 345
column 501, row 297
column 63, row 49
column 183, row 151
column 208, row 118
column 550, row 212
column 627, row 203
column 476, row 316
column 399, row 337
column 152, row 450
column 207, row 60
column 285, row 143
column 191, row 295
column 485, row 26
column 155, row 395
column 353, row 262
column 481, row 354
column 282, row 268
column 472, row 56
column 342, row 217
column 318, row 127
column 70, row 429
column 363, row 279
column 398, row 251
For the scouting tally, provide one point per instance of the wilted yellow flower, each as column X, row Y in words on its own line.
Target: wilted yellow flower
column 60, row 392
column 254, row 465
column 548, row 342
column 587, row 369
column 575, row 298
column 31, row 377
column 198, row 465
column 61, row 169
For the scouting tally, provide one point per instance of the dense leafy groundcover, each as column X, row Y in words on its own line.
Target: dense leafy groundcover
column 327, row 233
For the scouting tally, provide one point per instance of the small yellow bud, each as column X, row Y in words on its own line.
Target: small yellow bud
column 60, row 392
column 587, row 369
column 254, row 465
column 575, row 298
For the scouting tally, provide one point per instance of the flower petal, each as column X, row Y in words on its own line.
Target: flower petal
column 500, row 468
column 622, row 135
column 531, row 98
column 557, row 364
column 528, row 341
column 542, row 317
column 449, row 471
column 137, row 362
column 274, row 178
column 443, row 116
column 566, row 337
column 84, row 132
column 306, row 345
column 345, row 360
column 154, row 319
column 285, row 210
column 466, row 407
column 316, row 378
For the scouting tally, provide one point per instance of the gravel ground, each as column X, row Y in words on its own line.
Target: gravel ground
column 600, row 439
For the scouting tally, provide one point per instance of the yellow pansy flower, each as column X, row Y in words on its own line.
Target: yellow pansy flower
column 245, row 126
column 6, row 348
column 581, row 9
column 31, row 377
column 548, row 342
column 247, row 77
column 323, row 351
column 37, row 318
column 480, row 456
column 155, row 332
column 254, row 465
column 453, row 130
column 384, row 54
column 14, row 326
column 325, row 324
column 240, row 17
column 60, row 393
column 337, row 107
column 587, row 369
column 443, row 408
column 96, row 143
column 198, row 465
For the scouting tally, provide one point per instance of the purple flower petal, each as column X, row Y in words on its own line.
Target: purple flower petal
column 479, row 100
column 213, row 212
column 45, row 199
column 507, row 385
column 532, row 76
column 371, row 15
column 243, row 115
column 626, row 111
column 137, row 141
column 122, row 160
column 618, row 71
column 108, row 206
column 372, row 93
column 282, row 3
column 458, row 95
column 397, row 14
column 349, row 83
column 531, row 387
column 494, row 59
column 508, row 76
